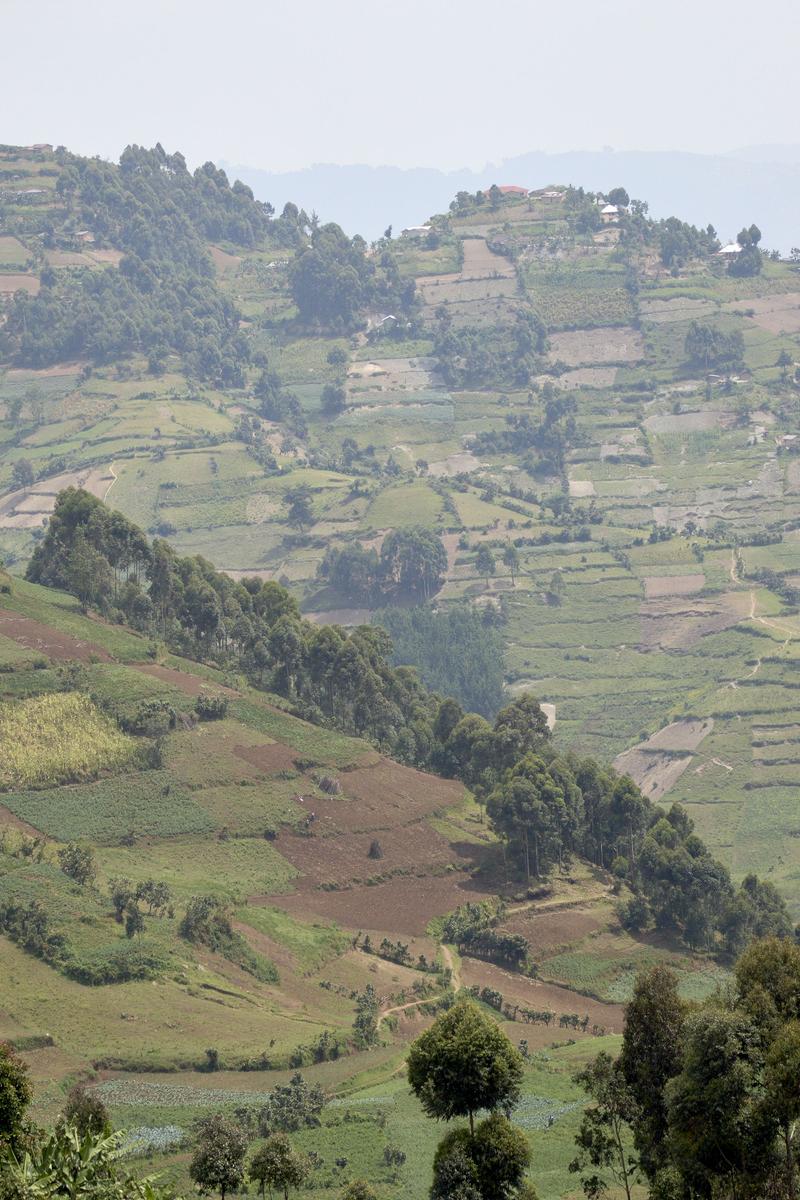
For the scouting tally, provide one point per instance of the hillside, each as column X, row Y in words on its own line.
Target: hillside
column 239, row 805
column 539, row 390
column 556, row 457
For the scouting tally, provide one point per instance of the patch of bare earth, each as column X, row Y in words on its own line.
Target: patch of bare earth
column 270, row 759
column 455, row 464
column 393, row 375
column 19, row 283
column 590, row 347
column 192, row 685
column 438, row 289
column 775, row 314
column 687, row 422
column 483, row 276
column 21, row 374
column 580, row 488
column 675, row 623
column 331, row 856
column 369, row 858
column 657, row 764
column 8, row 818
column 223, row 261
column 47, row 641
column 480, row 260
column 536, row 994
column 404, row 904
column 586, row 377
column 340, row 616
column 105, row 258
column 656, row 586
column 27, row 508
column 399, row 793
column 549, row 932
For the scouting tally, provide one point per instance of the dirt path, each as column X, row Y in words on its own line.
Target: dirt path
column 452, row 966
column 766, row 621
column 789, row 634
column 114, row 478
column 732, row 570
column 402, row 1007
column 455, row 984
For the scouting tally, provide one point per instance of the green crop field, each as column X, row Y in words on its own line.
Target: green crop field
column 149, row 803
column 58, row 739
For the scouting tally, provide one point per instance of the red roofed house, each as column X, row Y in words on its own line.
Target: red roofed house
column 512, row 189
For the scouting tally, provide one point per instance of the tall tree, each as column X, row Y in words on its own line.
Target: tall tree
column 711, row 1103
column 782, row 1096
column 484, row 562
column 528, row 809
column 218, row 1161
column 604, row 1131
column 511, row 560
column 464, row 1063
column 277, row 1165
column 498, row 1153
column 651, row 1056
column 299, row 511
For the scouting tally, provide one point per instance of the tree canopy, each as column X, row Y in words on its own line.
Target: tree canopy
column 464, row 1063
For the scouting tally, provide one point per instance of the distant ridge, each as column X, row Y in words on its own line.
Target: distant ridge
column 729, row 190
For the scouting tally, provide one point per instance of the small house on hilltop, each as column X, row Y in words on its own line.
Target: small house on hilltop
column 729, row 252
column 609, row 214
column 512, row 189
column 415, row 231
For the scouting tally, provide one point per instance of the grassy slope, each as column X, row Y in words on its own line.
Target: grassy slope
column 127, row 1035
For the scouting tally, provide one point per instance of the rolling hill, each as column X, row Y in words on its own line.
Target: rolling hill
column 668, row 523
column 612, row 401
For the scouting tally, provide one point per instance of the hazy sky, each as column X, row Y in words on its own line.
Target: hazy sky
column 446, row 83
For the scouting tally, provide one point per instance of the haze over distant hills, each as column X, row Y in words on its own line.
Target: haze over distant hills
column 756, row 183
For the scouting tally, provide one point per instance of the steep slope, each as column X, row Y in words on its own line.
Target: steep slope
column 221, row 793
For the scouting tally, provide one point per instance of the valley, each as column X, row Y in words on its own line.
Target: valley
column 591, row 429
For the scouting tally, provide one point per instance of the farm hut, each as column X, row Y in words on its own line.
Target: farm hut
column 729, row 252
column 415, row 231
column 609, row 214
column 787, row 441
column 512, row 189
